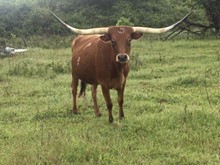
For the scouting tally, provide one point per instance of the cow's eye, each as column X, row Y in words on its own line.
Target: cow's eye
column 113, row 43
column 129, row 42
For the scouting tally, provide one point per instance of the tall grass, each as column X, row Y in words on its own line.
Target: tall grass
column 45, row 42
column 172, row 101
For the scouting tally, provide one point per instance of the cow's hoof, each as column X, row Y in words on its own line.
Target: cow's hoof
column 99, row 115
column 111, row 120
column 76, row 112
column 121, row 117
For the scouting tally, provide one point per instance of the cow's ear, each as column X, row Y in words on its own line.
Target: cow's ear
column 136, row 35
column 105, row 37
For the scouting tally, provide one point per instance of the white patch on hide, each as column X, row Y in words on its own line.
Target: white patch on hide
column 78, row 60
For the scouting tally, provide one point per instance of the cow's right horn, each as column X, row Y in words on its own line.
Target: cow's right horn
column 82, row 31
column 159, row 30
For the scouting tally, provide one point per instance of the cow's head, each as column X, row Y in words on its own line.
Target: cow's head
column 120, row 38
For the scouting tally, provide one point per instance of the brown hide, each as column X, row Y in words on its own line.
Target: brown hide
column 103, row 59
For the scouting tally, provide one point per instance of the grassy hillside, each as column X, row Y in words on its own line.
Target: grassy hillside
column 172, row 104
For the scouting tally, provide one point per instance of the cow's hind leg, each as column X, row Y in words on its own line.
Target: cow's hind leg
column 74, row 93
column 106, row 94
column 94, row 97
column 82, row 89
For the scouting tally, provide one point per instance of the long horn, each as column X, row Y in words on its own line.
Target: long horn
column 159, row 30
column 82, row 31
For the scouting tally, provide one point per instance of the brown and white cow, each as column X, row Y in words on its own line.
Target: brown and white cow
column 100, row 56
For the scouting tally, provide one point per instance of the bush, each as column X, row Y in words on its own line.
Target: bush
column 124, row 21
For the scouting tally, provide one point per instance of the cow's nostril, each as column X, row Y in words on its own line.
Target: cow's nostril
column 122, row 58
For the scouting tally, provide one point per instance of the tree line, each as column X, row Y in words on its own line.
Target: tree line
column 25, row 18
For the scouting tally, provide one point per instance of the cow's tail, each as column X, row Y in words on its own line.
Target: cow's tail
column 82, row 89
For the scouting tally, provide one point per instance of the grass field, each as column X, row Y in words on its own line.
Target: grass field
column 172, row 109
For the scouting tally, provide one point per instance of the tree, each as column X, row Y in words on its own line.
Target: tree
column 212, row 8
column 30, row 17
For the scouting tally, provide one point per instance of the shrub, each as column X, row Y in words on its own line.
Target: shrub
column 124, row 21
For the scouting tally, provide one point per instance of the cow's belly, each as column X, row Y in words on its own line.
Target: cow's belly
column 87, row 79
column 86, row 74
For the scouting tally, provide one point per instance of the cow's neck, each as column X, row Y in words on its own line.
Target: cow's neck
column 117, row 76
column 117, row 69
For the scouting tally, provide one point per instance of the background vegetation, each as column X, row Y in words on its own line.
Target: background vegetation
column 28, row 18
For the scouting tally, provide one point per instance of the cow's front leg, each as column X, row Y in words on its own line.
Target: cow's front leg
column 106, row 94
column 94, row 97
column 120, row 102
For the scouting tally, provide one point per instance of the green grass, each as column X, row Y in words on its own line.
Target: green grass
column 172, row 106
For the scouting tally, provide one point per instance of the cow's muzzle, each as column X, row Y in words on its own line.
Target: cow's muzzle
column 122, row 58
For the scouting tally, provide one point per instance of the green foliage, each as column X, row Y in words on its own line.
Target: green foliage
column 171, row 105
column 27, row 18
column 212, row 10
column 124, row 21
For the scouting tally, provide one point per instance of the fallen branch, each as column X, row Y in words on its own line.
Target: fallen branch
column 189, row 27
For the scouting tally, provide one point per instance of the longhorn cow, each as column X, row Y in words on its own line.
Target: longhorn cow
column 100, row 56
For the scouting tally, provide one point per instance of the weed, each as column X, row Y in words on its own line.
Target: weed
column 136, row 61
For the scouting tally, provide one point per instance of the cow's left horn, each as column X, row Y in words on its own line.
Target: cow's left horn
column 159, row 30
column 82, row 31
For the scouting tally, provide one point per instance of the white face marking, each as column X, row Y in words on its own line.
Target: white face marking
column 78, row 60
column 121, row 30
